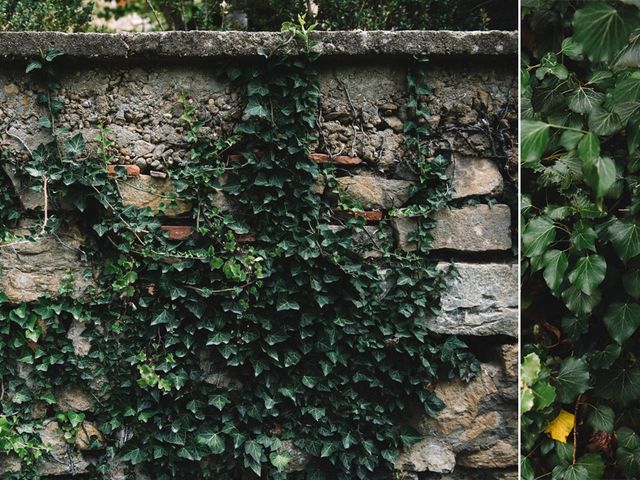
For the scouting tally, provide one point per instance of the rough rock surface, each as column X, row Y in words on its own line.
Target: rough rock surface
column 429, row 455
column 157, row 194
column 478, row 426
column 375, row 192
column 482, row 300
column 298, row 460
column 475, row 176
column 474, row 228
column 61, row 458
column 30, row 269
column 73, row 400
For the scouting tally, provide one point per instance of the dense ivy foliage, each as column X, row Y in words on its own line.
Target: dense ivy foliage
column 581, row 240
column 207, row 354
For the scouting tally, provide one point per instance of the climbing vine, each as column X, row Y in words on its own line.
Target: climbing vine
column 264, row 328
column 580, row 241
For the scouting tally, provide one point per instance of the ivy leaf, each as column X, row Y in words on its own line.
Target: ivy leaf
column 583, row 237
column 625, row 237
column 573, row 379
column 600, row 174
column 601, row 31
column 589, row 147
column 584, row 100
column 622, row 320
column 545, row 395
column 534, row 139
column 212, row 440
column 255, row 109
column 286, row 304
column 601, row 359
column 530, row 369
column 555, row 265
column 588, row 273
column 601, row 418
column 163, row 317
column 254, row 450
column 631, row 283
column 621, row 385
column 603, row 122
column 594, row 464
column 633, row 134
column 572, row 49
column 537, row 236
column 33, row 65
column 52, row 54
column 75, row 146
column 280, row 460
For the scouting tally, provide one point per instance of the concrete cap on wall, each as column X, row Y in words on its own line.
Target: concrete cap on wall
column 198, row 44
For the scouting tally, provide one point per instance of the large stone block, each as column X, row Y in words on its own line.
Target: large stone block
column 482, row 300
column 146, row 191
column 30, row 269
column 474, row 228
column 376, row 192
column 479, row 423
column 475, row 176
column 61, row 459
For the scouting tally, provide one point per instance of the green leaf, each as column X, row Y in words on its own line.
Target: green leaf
column 589, row 147
column 286, row 304
column 631, row 283
column 212, row 440
column 588, row 273
column 555, row 265
column 255, row 109
column 538, row 235
column 573, row 379
column 33, row 65
column 601, row 359
column 545, row 395
column 530, row 369
column 584, row 100
column 601, row 30
column 254, row 450
column 75, row 146
column 603, row 122
column 53, row 54
column 620, row 385
column 280, row 460
column 527, row 400
column 601, row 418
column 594, row 464
column 571, row 49
column 535, row 136
column 583, row 237
column 622, row 320
column 627, row 438
column 625, row 237
column 600, row 174
column 633, row 134
column 576, row 472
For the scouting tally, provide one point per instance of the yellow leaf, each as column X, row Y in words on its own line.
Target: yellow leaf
column 561, row 426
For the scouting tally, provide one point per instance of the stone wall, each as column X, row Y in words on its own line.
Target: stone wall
column 132, row 83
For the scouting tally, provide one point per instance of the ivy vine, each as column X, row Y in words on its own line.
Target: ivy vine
column 208, row 355
column 581, row 240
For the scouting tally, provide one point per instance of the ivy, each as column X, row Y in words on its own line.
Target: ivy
column 580, row 240
column 208, row 354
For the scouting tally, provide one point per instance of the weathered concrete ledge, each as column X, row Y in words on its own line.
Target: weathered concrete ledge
column 250, row 44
